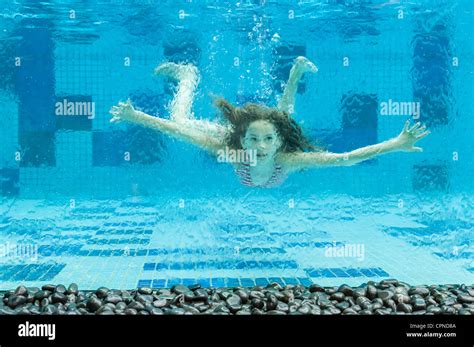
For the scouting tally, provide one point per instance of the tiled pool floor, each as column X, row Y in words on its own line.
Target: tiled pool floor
column 226, row 242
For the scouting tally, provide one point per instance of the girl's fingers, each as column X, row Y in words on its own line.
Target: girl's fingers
column 422, row 135
column 407, row 124
column 417, row 149
column 414, row 127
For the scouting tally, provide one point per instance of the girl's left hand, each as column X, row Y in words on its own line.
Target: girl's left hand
column 408, row 137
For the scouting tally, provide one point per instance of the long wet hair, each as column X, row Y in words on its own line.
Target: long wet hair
column 291, row 134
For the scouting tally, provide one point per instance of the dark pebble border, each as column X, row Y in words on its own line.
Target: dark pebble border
column 388, row 297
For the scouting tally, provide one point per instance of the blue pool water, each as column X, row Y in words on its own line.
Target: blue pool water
column 83, row 200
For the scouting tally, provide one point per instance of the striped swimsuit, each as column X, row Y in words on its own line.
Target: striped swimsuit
column 244, row 173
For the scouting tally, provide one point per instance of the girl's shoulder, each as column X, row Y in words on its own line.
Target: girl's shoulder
column 287, row 161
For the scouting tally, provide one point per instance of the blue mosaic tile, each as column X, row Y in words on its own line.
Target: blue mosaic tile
column 229, row 264
column 159, row 283
column 261, row 281
column 276, row 280
column 30, row 272
column 189, row 281
column 174, row 281
column 247, row 282
column 232, row 282
column 430, row 177
column 267, row 250
column 39, row 149
column 368, row 272
column 459, row 255
column 347, row 272
column 9, row 178
column 137, row 204
column 178, row 266
column 108, row 241
column 108, row 148
column 339, row 272
column 162, row 266
column 137, row 231
column 354, row 273
column 144, row 283
column 218, row 282
column 289, row 280
column 35, row 81
column 204, row 282
column 149, row 266
column 305, row 281
column 379, row 272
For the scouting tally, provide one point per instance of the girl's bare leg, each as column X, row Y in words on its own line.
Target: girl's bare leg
column 287, row 100
column 187, row 76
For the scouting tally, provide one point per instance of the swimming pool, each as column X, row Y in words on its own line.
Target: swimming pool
column 121, row 206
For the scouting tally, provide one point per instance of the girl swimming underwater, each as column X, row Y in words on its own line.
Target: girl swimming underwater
column 273, row 142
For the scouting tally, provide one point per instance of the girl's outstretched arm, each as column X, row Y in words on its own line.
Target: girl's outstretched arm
column 403, row 142
column 126, row 112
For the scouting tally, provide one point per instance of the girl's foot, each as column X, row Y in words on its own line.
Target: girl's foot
column 177, row 71
column 304, row 65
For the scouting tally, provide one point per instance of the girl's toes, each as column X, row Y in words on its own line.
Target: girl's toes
column 168, row 69
column 305, row 64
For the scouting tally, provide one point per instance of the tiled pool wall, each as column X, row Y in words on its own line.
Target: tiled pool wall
column 134, row 243
column 77, row 156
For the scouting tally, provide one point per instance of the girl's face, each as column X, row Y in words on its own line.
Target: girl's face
column 261, row 138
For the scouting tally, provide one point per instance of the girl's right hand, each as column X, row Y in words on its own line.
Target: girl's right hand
column 124, row 111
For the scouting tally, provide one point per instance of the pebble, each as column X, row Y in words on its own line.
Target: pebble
column 59, row 297
column 386, row 297
column 102, row 292
column 93, row 304
column 42, row 294
column 60, row 289
column 156, row 311
column 346, row 290
column 466, row 299
column 337, row 296
column 73, row 289
column 243, row 295
column 49, row 310
column 372, row 291
column 16, row 300
column 385, row 294
column 21, row 290
column 423, row 291
column 49, row 287
column 418, row 303
column 390, row 282
column 113, row 299
column 404, row 308
column 180, row 289
column 145, row 291
column 315, row 288
column 359, row 292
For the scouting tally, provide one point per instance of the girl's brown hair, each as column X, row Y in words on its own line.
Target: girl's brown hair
column 289, row 131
